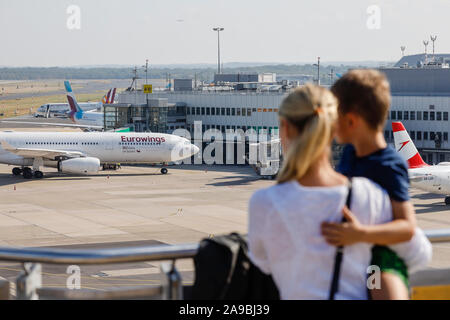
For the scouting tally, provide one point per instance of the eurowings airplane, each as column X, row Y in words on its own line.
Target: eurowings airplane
column 434, row 179
column 83, row 153
column 64, row 108
column 81, row 118
column 78, row 116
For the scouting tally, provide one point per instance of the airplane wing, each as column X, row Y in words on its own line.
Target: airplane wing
column 56, row 124
column 50, row 154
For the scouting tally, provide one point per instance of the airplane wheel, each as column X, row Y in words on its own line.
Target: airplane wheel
column 17, row 171
column 27, row 173
column 38, row 175
column 447, row 200
column 164, row 170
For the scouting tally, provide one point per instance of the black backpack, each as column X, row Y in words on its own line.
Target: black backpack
column 223, row 271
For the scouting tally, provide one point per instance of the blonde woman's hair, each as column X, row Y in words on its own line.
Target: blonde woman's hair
column 313, row 111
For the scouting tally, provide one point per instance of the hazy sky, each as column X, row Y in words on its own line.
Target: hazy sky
column 35, row 33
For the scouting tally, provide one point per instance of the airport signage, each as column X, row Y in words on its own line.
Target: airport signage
column 148, row 88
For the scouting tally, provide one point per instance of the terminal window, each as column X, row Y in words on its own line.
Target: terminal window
column 238, row 111
column 405, row 115
column 432, row 116
column 432, row 135
column 445, row 116
column 228, row 111
column 198, row 110
column 419, row 135
column 425, row 116
column 213, row 111
column 208, row 111
column 218, row 111
column 393, row 115
column 188, row 111
column 412, row 115
column 243, row 112
column 445, row 136
column 438, row 116
column 399, row 115
column 249, row 112
column 425, row 135
column 203, row 111
column 419, row 115
column 233, row 110
column 222, row 111
column 413, row 135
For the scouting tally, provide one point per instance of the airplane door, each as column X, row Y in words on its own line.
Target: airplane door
column 109, row 145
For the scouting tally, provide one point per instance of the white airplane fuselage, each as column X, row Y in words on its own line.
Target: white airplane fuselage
column 107, row 147
column 434, row 179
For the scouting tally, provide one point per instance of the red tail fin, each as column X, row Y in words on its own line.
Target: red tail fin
column 405, row 146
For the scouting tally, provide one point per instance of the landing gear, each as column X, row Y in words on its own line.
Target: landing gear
column 109, row 166
column 447, row 200
column 164, row 170
column 38, row 174
column 27, row 173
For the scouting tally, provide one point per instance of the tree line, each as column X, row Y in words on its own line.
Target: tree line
column 203, row 74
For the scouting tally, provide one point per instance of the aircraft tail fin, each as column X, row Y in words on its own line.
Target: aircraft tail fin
column 110, row 96
column 405, row 146
column 74, row 107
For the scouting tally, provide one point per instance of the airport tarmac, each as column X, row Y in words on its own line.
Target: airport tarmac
column 137, row 206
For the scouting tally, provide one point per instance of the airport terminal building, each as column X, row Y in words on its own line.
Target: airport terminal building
column 420, row 99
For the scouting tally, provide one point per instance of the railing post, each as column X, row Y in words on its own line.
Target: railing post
column 28, row 281
column 172, row 284
column 4, row 290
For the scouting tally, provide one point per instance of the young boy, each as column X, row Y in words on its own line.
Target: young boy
column 364, row 99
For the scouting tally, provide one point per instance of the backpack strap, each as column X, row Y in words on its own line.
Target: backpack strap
column 234, row 244
column 339, row 253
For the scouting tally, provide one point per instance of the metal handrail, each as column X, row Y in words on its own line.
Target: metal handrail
column 438, row 235
column 130, row 254
column 98, row 256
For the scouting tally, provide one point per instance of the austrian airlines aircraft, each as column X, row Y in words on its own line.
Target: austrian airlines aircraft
column 83, row 153
column 434, row 179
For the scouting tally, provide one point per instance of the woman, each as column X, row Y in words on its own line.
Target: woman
column 284, row 229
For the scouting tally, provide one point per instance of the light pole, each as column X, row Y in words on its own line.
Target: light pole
column 318, row 70
column 147, row 112
column 425, row 43
column 146, row 70
column 218, row 29
column 403, row 48
column 433, row 39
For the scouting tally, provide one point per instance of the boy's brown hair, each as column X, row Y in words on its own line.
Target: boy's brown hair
column 365, row 92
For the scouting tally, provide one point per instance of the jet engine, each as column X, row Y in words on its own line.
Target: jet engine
column 86, row 165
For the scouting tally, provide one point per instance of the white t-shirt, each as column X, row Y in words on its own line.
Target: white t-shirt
column 285, row 237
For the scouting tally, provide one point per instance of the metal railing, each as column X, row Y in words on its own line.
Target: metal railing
column 29, row 282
